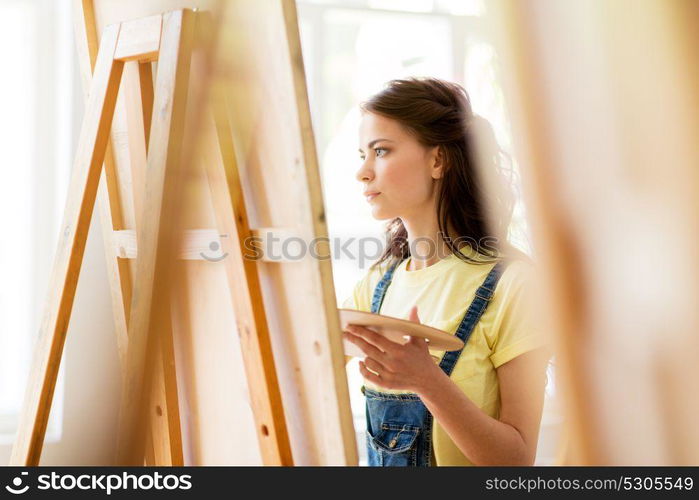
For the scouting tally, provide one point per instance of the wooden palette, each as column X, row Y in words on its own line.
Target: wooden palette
column 396, row 330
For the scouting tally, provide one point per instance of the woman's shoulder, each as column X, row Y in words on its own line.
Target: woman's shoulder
column 517, row 268
column 518, row 277
column 516, row 322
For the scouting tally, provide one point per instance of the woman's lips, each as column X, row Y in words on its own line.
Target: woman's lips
column 371, row 196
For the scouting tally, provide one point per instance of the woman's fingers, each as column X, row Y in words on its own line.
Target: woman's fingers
column 418, row 341
column 373, row 338
column 366, row 347
column 377, row 373
column 370, row 376
column 376, row 367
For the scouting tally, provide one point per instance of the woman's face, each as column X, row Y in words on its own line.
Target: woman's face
column 397, row 167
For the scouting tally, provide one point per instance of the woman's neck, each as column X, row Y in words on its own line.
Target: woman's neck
column 427, row 246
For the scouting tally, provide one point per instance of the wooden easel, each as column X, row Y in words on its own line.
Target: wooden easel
column 149, row 392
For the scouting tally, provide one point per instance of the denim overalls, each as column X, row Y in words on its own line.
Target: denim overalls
column 399, row 426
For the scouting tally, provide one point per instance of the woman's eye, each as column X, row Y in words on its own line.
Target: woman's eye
column 383, row 152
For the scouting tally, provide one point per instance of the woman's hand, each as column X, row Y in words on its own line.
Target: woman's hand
column 397, row 366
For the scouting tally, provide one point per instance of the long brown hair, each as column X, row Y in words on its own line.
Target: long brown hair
column 474, row 204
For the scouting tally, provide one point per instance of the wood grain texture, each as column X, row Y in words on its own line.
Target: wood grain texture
column 139, row 40
column 276, row 162
column 267, row 106
column 150, row 309
column 136, row 103
column 246, row 292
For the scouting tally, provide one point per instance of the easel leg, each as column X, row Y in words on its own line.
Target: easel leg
column 151, row 299
column 165, row 444
column 137, row 99
column 226, row 190
column 66, row 269
column 246, row 290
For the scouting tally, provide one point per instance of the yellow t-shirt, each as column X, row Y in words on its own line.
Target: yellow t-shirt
column 443, row 293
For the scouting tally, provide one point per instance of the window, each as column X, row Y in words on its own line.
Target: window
column 36, row 138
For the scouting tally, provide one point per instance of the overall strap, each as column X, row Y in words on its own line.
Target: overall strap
column 381, row 287
column 473, row 314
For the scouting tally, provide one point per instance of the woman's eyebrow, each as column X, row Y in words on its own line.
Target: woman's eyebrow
column 374, row 142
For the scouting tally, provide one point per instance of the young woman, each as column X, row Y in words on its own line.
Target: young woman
column 431, row 167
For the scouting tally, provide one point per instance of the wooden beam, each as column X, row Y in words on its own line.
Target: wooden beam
column 139, row 39
column 138, row 97
column 246, row 292
column 208, row 244
column 150, row 309
column 110, row 204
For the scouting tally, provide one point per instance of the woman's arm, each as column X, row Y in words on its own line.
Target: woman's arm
column 512, row 439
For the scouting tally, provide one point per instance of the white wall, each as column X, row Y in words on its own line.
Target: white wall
column 91, row 372
column 85, row 406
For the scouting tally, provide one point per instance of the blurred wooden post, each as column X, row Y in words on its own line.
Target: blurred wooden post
column 603, row 97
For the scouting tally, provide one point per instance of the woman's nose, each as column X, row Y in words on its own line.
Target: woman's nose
column 365, row 173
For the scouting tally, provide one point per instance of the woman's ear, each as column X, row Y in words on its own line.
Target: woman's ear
column 437, row 158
